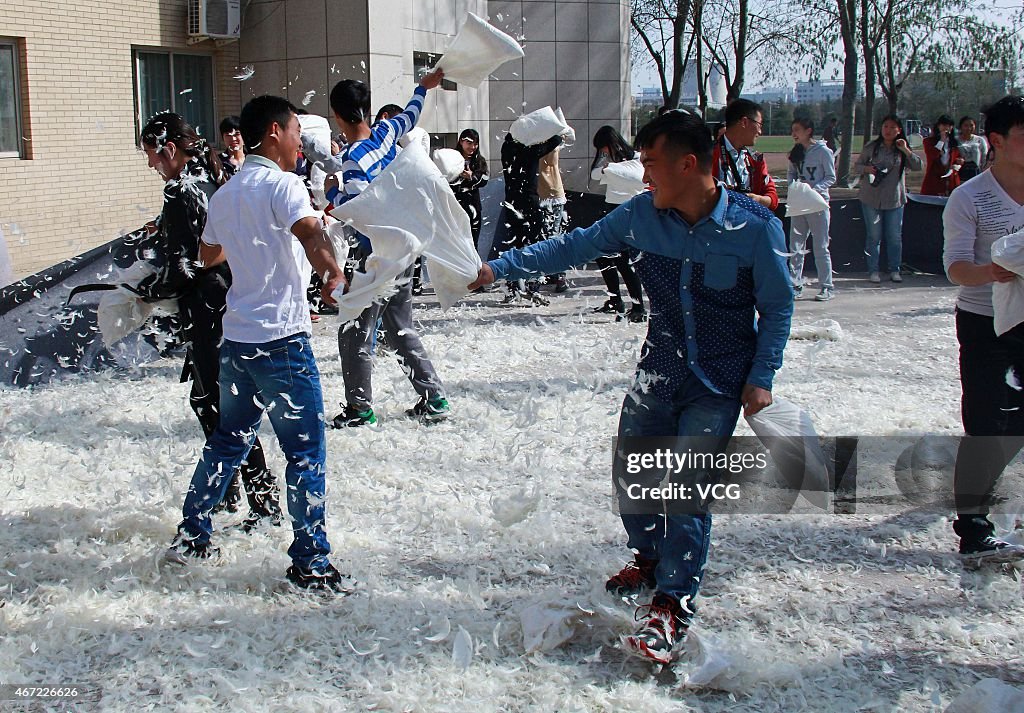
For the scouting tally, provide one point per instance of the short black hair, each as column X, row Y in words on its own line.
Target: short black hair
column 739, row 109
column 684, row 132
column 350, row 100
column 392, row 110
column 257, row 116
column 1005, row 114
column 230, row 123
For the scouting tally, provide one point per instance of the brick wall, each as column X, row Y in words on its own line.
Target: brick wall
column 85, row 181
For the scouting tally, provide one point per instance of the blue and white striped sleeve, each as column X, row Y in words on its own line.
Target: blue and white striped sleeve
column 404, row 122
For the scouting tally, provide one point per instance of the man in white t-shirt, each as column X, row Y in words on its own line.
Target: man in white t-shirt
column 979, row 212
column 266, row 361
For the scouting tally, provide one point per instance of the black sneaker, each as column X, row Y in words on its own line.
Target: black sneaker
column 327, row 580
column 634, row 578
column 614, row 305
column 562, row 285
column 989, row 550
column 430, row 410
column 185, row 550
column 353, row 416
column 663, row 625
column 637, row 313
column 254, row 521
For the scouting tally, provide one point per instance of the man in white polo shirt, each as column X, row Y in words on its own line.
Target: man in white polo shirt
column 265, row 360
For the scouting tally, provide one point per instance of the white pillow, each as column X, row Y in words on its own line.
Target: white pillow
column 787, row 431
column 6, row 268
column 316, row 134
column 537, row 127
column 476, row 51
column 451, row 164
column 1008, row 297
column 407, row 211
column 121, row 312
column 804, row 200
column 569, row 133
column 626, row 177
column 416, row 135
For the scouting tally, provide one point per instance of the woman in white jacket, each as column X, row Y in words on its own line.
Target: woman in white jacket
column 811, row 162
column 613, row 148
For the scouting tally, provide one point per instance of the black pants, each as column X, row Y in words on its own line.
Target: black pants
column 470, row 203
column 611, row 268
column 203, row 366
column 993, row 416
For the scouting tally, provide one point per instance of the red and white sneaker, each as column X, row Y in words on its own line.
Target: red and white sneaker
column 663, row 626
column 634, row 578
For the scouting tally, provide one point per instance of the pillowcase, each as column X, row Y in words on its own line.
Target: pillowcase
column 804, row 200
column 451, row 164
column 537, row 126
column 476, row 51
column 407, row 211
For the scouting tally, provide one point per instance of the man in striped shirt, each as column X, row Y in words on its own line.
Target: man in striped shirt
column 369, row 151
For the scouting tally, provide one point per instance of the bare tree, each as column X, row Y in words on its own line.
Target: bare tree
column 735, row 31
column 826, row 19
column 663, row 37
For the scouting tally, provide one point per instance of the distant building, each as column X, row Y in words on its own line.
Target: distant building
column 784, row 95
column 648, row 97
column 716, row 88
column 816, row 92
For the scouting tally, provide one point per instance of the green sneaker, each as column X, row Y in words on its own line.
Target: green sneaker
column 353, row 416
column 430, row 410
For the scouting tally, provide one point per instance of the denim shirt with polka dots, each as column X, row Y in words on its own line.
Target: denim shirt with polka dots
column 720, row 292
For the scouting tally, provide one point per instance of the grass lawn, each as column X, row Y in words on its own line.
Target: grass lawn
column 782, row 144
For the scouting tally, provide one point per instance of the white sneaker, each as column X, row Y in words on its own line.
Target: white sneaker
column 896, row 276
column 825, row 295
column 875, row 277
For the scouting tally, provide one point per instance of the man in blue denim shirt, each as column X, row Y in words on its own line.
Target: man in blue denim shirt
column 713, row 264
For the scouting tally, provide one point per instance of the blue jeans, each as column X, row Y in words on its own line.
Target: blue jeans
column 280, row 377
column 879, row 223
column 678, row 542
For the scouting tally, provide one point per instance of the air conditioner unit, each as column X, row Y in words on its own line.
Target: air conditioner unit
column 216, row 19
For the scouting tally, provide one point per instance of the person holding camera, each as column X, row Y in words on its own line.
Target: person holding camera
column 883, row 194
column 733, row 163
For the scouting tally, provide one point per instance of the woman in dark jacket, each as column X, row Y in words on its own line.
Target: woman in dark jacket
column 183, row 160
column 521, row 221
column 473, row 178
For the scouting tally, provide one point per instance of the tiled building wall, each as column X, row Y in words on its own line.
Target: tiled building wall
column 299, row 46
column 302, row 46
column 577, row 57
column 85, row 181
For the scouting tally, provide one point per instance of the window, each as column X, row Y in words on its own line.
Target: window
column 423, row 62
column 443, row 141
column 10, row 101
column 182, row 83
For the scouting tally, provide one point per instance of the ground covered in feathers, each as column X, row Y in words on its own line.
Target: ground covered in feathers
column 454, row 529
